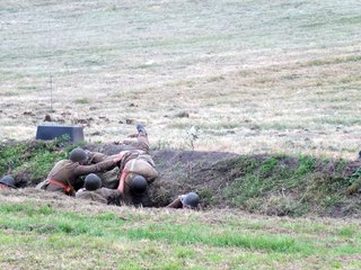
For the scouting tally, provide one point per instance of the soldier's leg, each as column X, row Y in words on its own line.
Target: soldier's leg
column 141, row 142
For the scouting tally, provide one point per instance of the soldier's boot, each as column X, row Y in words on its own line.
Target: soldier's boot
column 141, row 130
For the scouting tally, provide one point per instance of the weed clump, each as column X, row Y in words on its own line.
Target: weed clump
column 30, row 161
column 280, row 186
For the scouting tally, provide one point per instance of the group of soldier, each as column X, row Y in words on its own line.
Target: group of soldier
column 134, row 169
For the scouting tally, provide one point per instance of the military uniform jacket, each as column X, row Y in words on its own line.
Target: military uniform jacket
column 139, row 162
column 67, row 172
column 103, row 195
column 96, row 157
column 134, row 161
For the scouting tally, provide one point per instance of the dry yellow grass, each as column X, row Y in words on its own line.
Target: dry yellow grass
column 254, row 76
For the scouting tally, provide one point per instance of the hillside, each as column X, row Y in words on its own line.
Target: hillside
column 273, row 185
column 250, row 77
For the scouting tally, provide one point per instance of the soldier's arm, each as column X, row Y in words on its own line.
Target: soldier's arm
column 175, row 204
column 107, row 164
column 98, row 167
column 123, row 176
column 96, row 157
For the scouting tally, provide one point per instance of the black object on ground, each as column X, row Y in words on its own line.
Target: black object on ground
column 52, row 131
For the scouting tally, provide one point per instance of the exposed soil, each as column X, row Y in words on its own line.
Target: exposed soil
column 219, row 178
column 182, row 171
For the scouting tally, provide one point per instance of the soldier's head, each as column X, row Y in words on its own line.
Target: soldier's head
column 138, row 184
column 8, row 181
column 78, row 155
column 190, row 200
column 92, row 182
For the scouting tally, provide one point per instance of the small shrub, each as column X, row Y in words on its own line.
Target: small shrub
column 82, row 101
column 306, row 165
column 279, row 205
column 268, row 166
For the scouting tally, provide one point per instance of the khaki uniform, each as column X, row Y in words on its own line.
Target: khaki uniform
column 133, row 162
column 110, row 179
column 137, row 160
column 66, row 173
column 96, row 157
column 140, row 143
column 102, row 195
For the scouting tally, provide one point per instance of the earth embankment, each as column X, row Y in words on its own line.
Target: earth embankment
column 267, row 184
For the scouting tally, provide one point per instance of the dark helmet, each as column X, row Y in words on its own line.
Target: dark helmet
column 8, row 180
column 92, row 182
column 190, row 199
column 138, row 184
column 78, row 155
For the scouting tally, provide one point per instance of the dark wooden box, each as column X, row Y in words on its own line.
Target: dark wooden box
column 51, row 131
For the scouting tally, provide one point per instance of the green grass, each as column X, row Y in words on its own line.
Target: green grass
column 35, row 159
column 161, row 239
column 281, row 185
column 194, row 234
column 10, row 156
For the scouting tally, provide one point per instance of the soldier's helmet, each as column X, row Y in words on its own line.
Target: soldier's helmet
column 78, row 155
column 190, row 200
column 8, row 180
column 92, row 182
column 138, row 184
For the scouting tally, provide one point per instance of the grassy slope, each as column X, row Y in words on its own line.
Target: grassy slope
column 63, row 233
column 274, row 185
column 277, row 76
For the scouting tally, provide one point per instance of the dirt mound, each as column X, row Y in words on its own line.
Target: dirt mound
column 273, row 185
column 180, row 171
column 267, row 184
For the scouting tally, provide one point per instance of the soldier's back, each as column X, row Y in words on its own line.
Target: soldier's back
column 91, row 196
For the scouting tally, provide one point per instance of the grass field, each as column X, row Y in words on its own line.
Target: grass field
column 61, row 233
column 253, row 76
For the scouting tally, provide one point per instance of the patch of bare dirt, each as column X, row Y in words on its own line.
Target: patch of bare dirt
column 181, row 171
